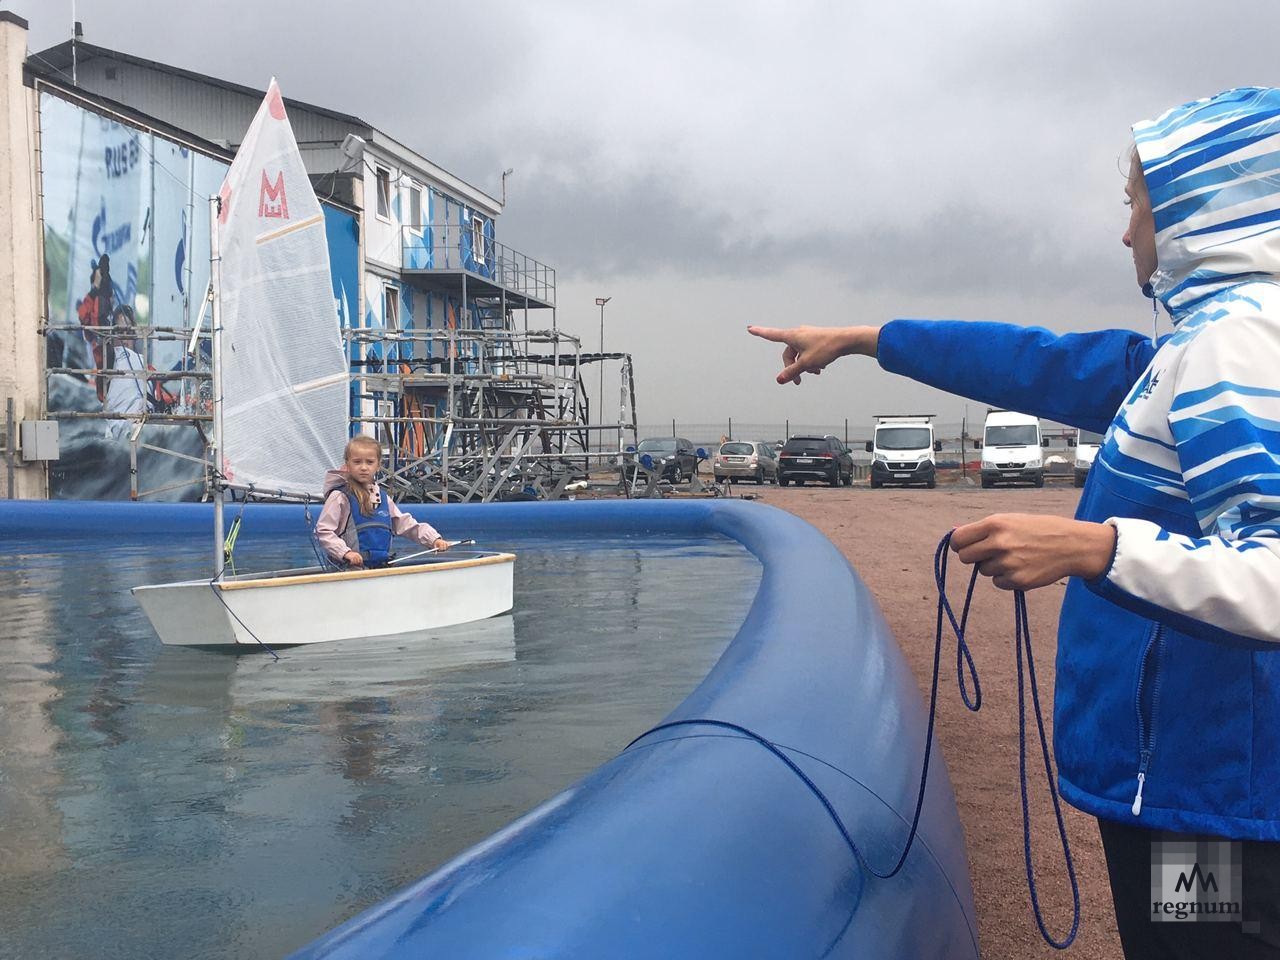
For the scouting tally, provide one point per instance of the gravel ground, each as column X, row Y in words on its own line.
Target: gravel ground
column 889, row 536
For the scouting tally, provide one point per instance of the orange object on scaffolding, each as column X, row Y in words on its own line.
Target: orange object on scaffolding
column 413, row 441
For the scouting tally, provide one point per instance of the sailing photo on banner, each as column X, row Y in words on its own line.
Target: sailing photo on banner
column 126, row 271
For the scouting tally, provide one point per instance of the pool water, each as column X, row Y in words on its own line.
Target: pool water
column 160, row 801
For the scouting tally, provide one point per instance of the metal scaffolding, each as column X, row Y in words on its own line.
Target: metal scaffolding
column 481, row 406
column 481, row 410
column 492, row 419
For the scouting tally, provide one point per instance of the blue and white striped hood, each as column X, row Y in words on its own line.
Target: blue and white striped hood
column 1213, row 172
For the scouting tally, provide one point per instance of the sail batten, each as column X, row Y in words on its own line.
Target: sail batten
column 284, row 370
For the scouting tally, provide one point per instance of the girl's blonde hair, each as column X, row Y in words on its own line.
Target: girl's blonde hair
column 362, row 494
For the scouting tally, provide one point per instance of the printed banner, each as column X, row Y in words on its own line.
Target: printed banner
column 126, row 216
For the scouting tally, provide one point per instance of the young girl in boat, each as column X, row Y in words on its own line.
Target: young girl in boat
column 359, row 518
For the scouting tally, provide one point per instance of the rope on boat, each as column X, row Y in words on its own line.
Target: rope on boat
column 213, row 585
column 964, row 661
column 228, row 549
column 321, row 556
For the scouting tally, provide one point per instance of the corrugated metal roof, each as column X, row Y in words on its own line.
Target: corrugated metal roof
column 200, row 103
column 59, row 57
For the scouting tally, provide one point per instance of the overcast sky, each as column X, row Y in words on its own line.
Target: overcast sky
column 709, row 165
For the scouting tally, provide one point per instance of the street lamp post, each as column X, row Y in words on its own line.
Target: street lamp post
column 600, row 302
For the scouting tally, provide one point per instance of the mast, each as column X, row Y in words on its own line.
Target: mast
column 215, row 329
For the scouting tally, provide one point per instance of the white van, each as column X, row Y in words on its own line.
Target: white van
column 1012, row 449
column 1087, row 445
column 902, row 451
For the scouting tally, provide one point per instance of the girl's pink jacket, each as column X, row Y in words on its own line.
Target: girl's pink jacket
column 331, row 528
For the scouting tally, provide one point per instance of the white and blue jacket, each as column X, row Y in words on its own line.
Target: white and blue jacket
column 1167, row 705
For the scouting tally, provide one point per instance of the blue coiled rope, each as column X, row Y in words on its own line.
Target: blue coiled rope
column 964, row 662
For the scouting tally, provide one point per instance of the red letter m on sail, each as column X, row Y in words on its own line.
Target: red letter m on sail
column 271, row 199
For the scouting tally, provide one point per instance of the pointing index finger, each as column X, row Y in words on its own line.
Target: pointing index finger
column 776, row 334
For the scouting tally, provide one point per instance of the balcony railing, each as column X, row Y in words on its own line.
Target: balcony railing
column 455, row 247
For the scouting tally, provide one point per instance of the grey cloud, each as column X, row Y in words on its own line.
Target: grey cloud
column 641, row 226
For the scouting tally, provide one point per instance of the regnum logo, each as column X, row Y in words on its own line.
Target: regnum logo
column 1207, row 880
column 1195, row 880
column 272, row 201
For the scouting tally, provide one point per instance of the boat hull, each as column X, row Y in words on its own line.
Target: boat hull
column 293, row 607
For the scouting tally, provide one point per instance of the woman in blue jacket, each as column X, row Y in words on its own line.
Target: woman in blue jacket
column 1167, row 699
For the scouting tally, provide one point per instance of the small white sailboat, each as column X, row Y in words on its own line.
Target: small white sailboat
column 310, row 605
column 280, row 420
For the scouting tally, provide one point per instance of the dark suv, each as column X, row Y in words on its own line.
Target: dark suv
column 674, row 457
column 815, row 458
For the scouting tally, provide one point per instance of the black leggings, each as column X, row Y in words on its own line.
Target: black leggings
column 1128, row 850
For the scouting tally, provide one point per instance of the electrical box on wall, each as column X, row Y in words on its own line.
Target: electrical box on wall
column 39, row 439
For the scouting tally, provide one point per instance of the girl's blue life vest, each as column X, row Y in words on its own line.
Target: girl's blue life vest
column 373, row 531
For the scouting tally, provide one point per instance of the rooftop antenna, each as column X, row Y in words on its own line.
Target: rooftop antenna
column 506, row 173
column 76, row 32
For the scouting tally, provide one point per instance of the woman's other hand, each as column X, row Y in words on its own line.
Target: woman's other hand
column 352, row 559
column 810, row 349
column 1021, row 551
column 441, row 545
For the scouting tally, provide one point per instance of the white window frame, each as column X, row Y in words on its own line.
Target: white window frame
column 417, row 224
column 386, row 427
column 390, row 307
column 381, row 175
column 477, row 238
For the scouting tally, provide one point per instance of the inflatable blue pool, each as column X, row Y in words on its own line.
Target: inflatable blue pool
column 697, row 840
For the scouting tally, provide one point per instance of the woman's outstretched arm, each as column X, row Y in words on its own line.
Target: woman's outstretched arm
column 1076, row 378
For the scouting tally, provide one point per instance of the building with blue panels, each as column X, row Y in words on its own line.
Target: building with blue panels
column 457, row 362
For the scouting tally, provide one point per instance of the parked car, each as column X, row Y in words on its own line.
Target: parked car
column 745, row 460
column 673, row 457
column 815, row 458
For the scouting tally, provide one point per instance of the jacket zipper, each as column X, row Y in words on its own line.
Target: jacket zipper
column 1148, row 674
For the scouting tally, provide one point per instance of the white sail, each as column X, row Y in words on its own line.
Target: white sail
column 284, row 369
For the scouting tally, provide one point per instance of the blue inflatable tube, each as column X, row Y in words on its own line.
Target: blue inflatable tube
column 696, row 841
